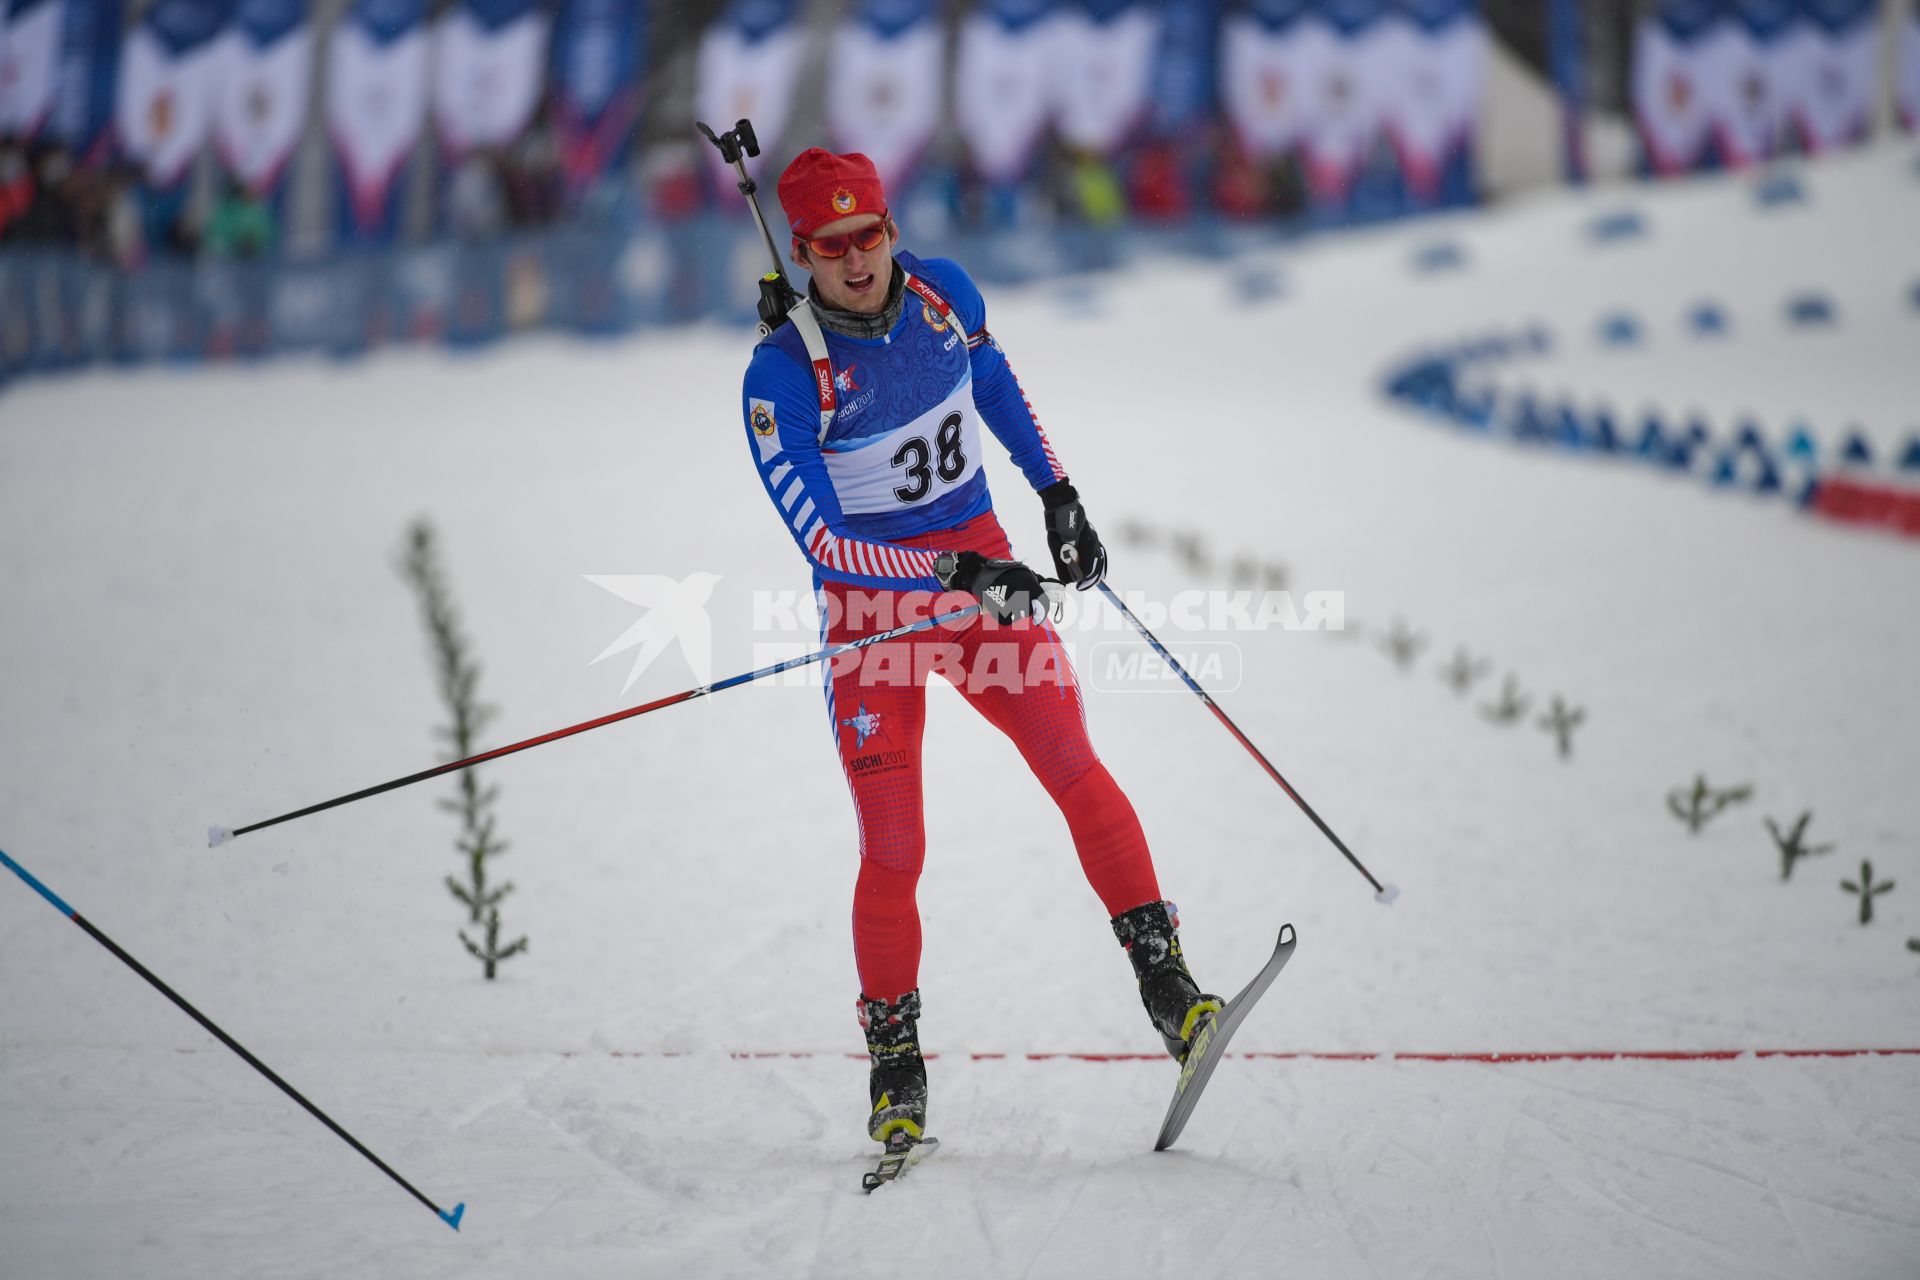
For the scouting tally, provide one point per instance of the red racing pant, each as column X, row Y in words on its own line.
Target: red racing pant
column 1019, row 678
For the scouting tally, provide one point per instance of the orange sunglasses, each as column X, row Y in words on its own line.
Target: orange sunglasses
column 866, row 239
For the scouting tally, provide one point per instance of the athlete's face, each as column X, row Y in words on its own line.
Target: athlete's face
column 857, row 281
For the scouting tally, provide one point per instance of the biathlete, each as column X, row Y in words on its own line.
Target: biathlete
column 863, row 418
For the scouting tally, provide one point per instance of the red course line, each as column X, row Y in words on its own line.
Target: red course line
column 1520, row 1057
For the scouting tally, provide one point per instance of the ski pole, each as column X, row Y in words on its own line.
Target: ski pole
column 220, row 835
column 1385, row 893
column 451, row 1218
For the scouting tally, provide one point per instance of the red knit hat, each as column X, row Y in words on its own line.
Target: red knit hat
column 820, row 187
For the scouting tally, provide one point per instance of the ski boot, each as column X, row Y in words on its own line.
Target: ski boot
column 1173, row 1000
column 897, row 1079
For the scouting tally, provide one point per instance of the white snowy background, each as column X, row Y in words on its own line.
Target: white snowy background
column 203, row 624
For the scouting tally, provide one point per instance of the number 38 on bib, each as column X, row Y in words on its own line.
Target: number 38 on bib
column 912, row 465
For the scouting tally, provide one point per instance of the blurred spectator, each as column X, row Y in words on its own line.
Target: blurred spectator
column 1092, row 191
column 240, row 225
column 121, row 240
column 1247, row 189
column 534, row 184
column 1159, row 186
column 475, row 207
column 49, row 217
column 672, row 180
column 16, row 189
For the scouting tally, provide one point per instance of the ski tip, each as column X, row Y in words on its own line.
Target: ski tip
column 1287, row 935
column 1386, row 895
column 453, row 1219
column 217, row 836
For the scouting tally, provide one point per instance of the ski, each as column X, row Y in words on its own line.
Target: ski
column 1210, row 1042
column 902, row 1154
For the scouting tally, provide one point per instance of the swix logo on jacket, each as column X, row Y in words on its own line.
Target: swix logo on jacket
column 901, row 456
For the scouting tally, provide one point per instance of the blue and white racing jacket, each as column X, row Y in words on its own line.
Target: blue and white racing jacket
column 880, row 439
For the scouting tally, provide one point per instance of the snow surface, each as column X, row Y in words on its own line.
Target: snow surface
column 685, row 878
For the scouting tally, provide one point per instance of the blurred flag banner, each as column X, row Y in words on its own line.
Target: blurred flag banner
column 598, row 50
column 886, row 85
column 748, row 67
column 490, row 60
column 376, row 96
column 260, row 104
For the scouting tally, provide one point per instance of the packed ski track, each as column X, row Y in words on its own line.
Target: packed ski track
column 205, row 625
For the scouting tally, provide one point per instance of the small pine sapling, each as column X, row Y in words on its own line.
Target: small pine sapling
column 1561, row 720
column 1191, row 551
column 1698, row 806
column 459, row 678
column 1403, row 644
column 1464, row 671
column 1791, row 843
column 1135, row 532
column 493, row 953
column 1512, row 704
column 1867, row 890
column 1273, row 576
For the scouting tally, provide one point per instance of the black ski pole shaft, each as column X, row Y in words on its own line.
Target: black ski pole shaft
column 450, row 1217
column 1383, row 893
column 220, row 835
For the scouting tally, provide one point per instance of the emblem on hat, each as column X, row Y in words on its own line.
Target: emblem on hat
column 843, row 201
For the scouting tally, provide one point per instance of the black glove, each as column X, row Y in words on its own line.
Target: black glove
column 1007, row 589
column 1067, row 527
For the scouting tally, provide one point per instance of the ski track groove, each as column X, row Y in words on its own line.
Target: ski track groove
column 1810, row 1267
column 1360, row 1158
column 565, row 1129
column 822, row 1228
column 1247, row 1223
column 1493, row 1250
column 1599, row 1186
column 1485, row 1183
column 1053, row 1228
column 516, row 1089
column 1345, row 1221
column 1909, row 1224
column 980, row 1218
